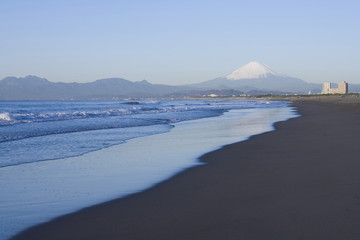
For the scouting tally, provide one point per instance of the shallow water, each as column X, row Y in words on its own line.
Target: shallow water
column 36, row 192
column 33, row 131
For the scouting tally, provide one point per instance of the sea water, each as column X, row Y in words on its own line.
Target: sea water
column 57, row 157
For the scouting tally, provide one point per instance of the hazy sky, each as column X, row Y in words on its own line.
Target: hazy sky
column 180, row 41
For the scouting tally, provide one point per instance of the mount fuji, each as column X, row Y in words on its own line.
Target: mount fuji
column 257, row 77
column 253, row 70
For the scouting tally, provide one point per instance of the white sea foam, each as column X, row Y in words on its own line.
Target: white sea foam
column 5, row 116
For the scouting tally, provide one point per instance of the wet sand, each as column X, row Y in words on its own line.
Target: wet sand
column 301, row 181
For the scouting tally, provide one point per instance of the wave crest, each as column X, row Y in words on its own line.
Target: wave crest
column 5, row 117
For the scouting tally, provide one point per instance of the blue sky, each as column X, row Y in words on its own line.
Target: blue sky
column 178, row 42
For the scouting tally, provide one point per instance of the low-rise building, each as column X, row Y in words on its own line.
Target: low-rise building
column 341, row 89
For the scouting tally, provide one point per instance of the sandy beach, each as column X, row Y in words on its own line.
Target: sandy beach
column 301, row 181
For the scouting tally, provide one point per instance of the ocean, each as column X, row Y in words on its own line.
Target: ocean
column 57, row 157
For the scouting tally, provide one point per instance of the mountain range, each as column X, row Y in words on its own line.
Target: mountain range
column 35, row 88
column 251, row 79
column 256, row 76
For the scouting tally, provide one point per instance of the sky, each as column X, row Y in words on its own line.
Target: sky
column 178, row 42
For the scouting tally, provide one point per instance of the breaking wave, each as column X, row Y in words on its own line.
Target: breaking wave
column 5, row 118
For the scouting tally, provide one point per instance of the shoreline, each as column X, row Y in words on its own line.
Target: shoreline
column 300, row 181
column 68, row 185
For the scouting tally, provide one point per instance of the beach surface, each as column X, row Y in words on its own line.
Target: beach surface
column 301, row 181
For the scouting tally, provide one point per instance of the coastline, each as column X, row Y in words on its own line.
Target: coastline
column 300, row 181
column 63, row 186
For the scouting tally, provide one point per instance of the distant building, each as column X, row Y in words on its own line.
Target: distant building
column 341, row 89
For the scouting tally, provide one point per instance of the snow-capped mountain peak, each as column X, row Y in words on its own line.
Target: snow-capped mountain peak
column 253, row 70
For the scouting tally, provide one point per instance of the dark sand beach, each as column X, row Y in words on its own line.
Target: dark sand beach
column 301, row 181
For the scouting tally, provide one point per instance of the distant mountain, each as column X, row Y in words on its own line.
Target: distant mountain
column 253, row 78
column 253, row 70
column 256, row 76
column 35, row 88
